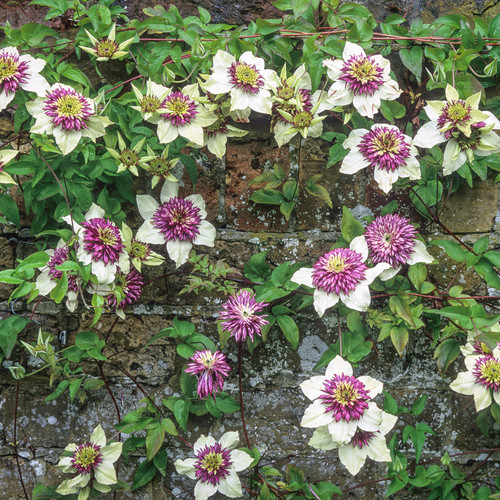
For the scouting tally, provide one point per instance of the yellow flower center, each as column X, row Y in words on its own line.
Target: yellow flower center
column 8, row 67
column 335, row 264
column 68, row 106
column 212, row 462
column 246, row 74
column 106, row 48
column 363, row 70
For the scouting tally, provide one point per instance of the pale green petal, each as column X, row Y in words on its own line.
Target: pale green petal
column 322, row 439
column 98, row 437
column 202, row 491
column 352, row 457
column 186, row 467
column 105, row 473
column 231, row 485
column 241, row 460
column 315, row 415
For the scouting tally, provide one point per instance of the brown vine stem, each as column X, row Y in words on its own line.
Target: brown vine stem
column 139, row 386
column 15, row 442
column 240, row 355
column 440, row 224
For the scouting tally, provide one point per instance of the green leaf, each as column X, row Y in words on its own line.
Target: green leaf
column 226, row 404
column 169, row 426
column 289, row 329
column 318, row 190
column 399, row 305
column 481, row 244
column 58, row 293
column 9, row 329
column 86, row 340
column 38, row 259
column 446, row 353
column 452, row 248
column 418, row 406
column 181, row 412
column 267, row 197
column 62, row 386
column 399, row 337
column 73, row 388
column 144, row 474
column 160, row 461
column 349, row 226
column 9, row 208
column 412, row 59
column 154, row 440
column 417, row 274
column 256, row 268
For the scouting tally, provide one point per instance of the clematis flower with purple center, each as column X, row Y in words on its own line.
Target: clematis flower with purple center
column 91, row 465
column 383, row 149
column 466, row 130
column 178, row 222
column 215, row 466
column 360, row 80
column 100, row 244
column 211, row 368
column 363, row 445
column 342, row 403
column 19, row 71
column 240, row 316
column 131, row 285
column 246, row 79
column 50, row 276
column 392, row 239
column 481, row 380
column 68, row 116
column 182, row 113
column 341, row 274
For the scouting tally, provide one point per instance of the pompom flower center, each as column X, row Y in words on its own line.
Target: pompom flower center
column 218, row 127
column 285, row 92
column 178, row 219
column 150, row 104
column 211, row 369
column 106, row 48
column 390, row 239
column 245, row 76
column 68, row 109
column 362, row 75
column 159, row 166
column 139, row 250
column 12, row 72
column 454, row 112
column 361, row 438
column 487, row 372
column 302, row 119
column 59, row 257
column 131, row 285
column 384, row 148
column 212, row 464
column 339, row 271
column 470, row 143
column 345, row 396
column 129, row 157
column 180, row 109
column 102, row 239
column 86, row 458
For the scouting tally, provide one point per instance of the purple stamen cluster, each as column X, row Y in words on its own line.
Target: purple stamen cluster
column 69, row 109
column 178, row 219
column 239, row 313
column 487, row 372
column 211, row 368
column 212, row 464
column 131, row 285
column 180, row 109
column 60, row 256
column 384, row 148
column 339, row 271
column 86, row 458
column 362, row 75
column 361, row 438
column 245, row 76
column 455, row 112
column 12, row 72
column 345, row 396
column 391, row 238
column 470, row 143
column 103, row 240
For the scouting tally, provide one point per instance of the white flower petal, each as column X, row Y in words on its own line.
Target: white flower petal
column 428, row 136
column 303, row 277
column 359, row 245
column 168, row 191
column 207, row 234
column 231, row 485
column 105, row 473
column 98, row 437
column 146, row 205
column 338, row 366
column 186, row 467
column 373, row 385
column 178, row 251
column 358, row 299
column 420, row 254
column 229, row 440
column 313, row 386
column 201, row 442
column 342, row 431
column 324, row 300
column 352, row 457
column 241, row 460
column 315, row 415
column 322, row 439
column 149, row 234
column 202, row 491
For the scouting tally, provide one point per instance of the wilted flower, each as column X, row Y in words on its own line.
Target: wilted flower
column 50, row 276
column 240, row 316
column 92, row 462
column 5, row 156
column 68, row 116
column 342, row 403
column 341, row 274
column 246, row 79
column 180, row 222
column 215, row 466
column 363, row 445
column 107, row 48
column 19, row 72
column 361, row 80
column 211, row 368
column 481, row 380
column 392, row 239
column 467, row 130
column 100, row 244
column 129, row 159
column 384, row 149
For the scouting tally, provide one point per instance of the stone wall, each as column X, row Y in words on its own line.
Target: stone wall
column 273, row 400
